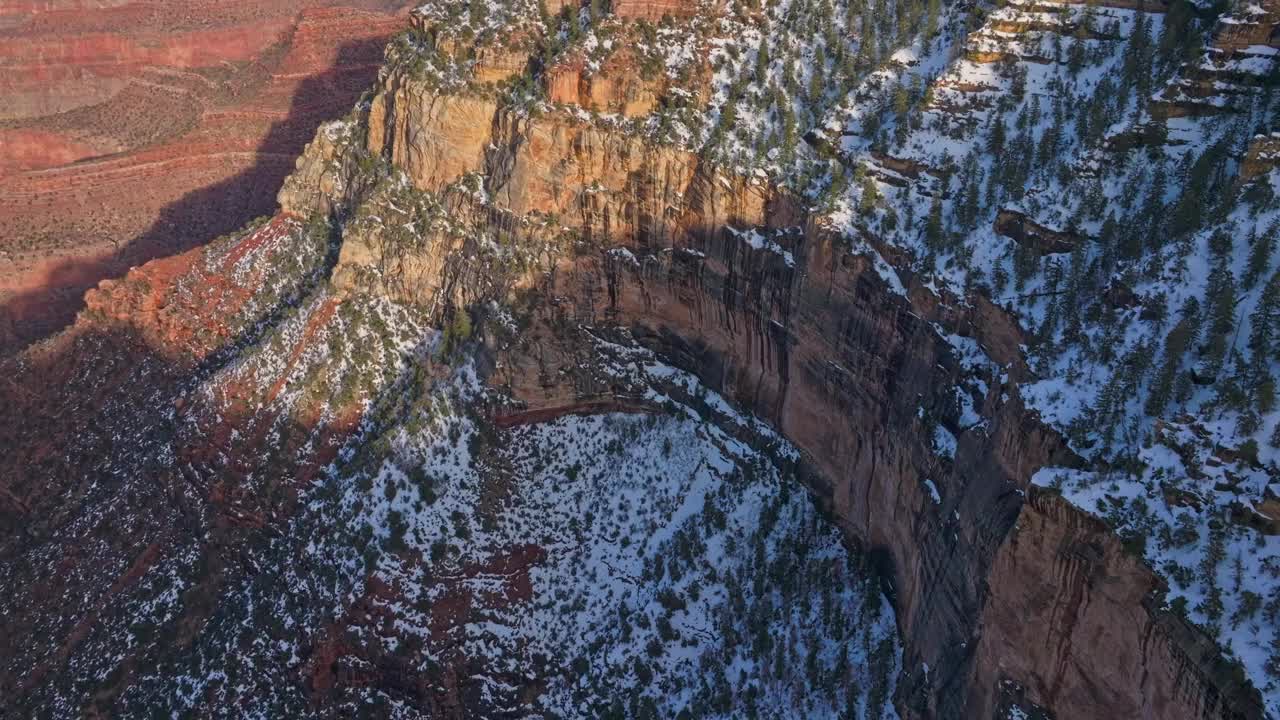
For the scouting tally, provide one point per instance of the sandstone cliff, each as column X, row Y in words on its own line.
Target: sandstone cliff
column 919, row 444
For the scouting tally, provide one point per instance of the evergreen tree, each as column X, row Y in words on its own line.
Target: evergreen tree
column 1152, row 213
column 1260, row 250
column 995, row 136
column 1263, row 347
column 870, row 195
column 1221, row 296
column 971, row 181
column 762, row 63
column 571, row 19
column 934, row 230
column 1181, row 337
column 817, row 80
column 1221, row 243
column 1202, row 177
column 1025, row 264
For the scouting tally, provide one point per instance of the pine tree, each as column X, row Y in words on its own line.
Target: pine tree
column 1262, row 332
column 1136, row 61
column 817, row 86
column 995, row 136
column 932, row 11
column 762, row 63
column 571, row 18
column 1153, row 208
column 1260, row 250
column 1181, row 337
column 971, row 182
column 837, row 188
column 934, row 231
column 1221, row 296
column 1202, row 177
column 1176, row 31
column 870, row 196
column 1025, row 263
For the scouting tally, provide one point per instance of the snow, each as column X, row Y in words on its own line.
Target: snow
column 937, row 500
column 616, row 502
column 944, row 443
column 763, row 240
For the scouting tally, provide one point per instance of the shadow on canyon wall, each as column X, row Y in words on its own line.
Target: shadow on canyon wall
column 203, row 213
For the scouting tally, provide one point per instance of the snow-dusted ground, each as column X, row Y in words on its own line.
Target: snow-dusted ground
column 1047, row 110
column 684, row 572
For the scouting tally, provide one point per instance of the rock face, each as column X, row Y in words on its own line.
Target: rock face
column 1263, row 155
column 1091, row 584
column 654, row 10
column 1025, row 231
column 435, row 139
column 168, row 128
column 614, row 88
column 1002, row 592
column 1239, row 59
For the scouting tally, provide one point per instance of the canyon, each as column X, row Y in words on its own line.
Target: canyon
column 1005, row 593
column 136, row 130
column 580, row 267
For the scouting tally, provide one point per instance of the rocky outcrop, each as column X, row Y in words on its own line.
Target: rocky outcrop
column 434, row 138
column 614, row 88
column 492, row 61
column 651, row 10
column 1241, row 58
column 654, row 10
column 1094, row 594
column 1263, row 155
column 1026, row 232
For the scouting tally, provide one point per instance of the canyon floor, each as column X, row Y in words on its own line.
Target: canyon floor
column 137, row 130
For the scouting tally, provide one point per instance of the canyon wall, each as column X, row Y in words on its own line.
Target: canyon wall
column 920, row 447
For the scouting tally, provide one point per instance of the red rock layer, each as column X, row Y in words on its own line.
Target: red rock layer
column 654, row 10
column 222, row 121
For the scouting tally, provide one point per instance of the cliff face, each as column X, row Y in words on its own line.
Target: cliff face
column 1069, row 572
column 920, row 447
